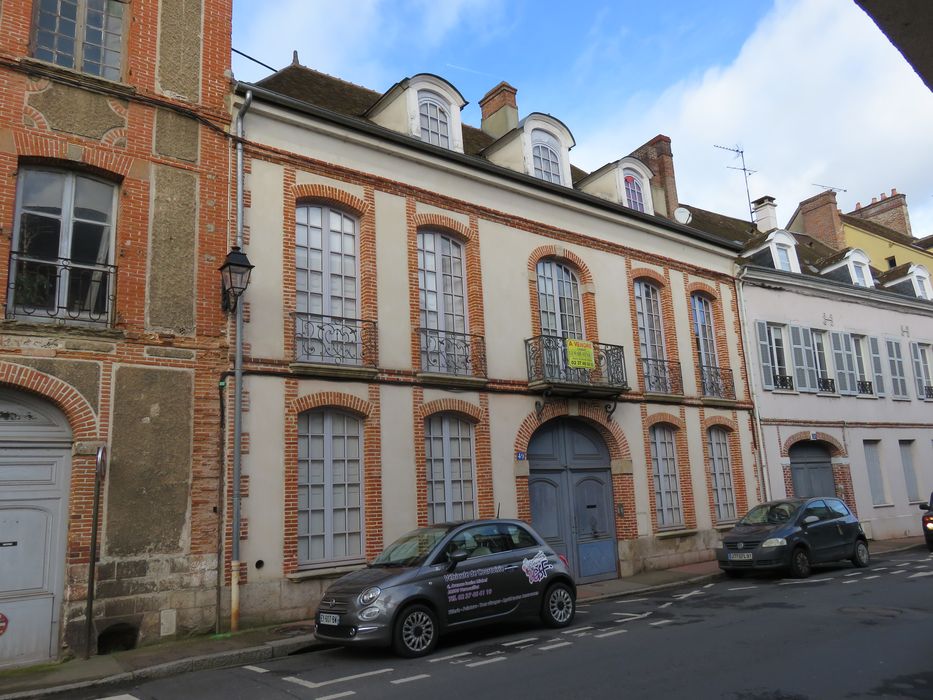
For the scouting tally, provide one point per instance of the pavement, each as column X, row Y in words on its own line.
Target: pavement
column 261, row 644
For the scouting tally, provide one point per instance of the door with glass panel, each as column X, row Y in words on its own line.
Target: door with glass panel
column 704, row 337
column 658, row 373
column 561, row 318
column 327, row 326
column 445, row 344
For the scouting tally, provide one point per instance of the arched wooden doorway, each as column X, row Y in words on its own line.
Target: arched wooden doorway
column 811, row 469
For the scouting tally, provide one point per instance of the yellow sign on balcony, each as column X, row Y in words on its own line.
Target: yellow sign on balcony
column 580, row 354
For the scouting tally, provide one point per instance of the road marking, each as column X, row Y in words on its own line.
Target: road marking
column 312, row 684
column 256, row 669
column 632, row 616
column 854, row 573
column 853, row 581
column 921, row 573
column 666, row 605
column 899, row 571
column 609, row 634
column 449, row 656
column 583, row 612
column 684, row 596
column 660, row 622
column 576, row 629
column 869, row 578
column 344, row 694
column 120, row 697
column 555, row 646
column 410, row 679
column 519, row 641
column 881, row 568
column 808, row 580
column 630, row 600
column 743, row 588
column 709, row 585
column 486, row 661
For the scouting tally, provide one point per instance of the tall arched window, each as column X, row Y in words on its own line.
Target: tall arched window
column 659, row 376
column 634, row 198
column 330, row 488
column 559, row 300
column 435, row 120
column 666, row 477
column 448, row 449
column 544, row 151
column 327, row 327
column 721, row 473
column 705, row 338
column 444, row 344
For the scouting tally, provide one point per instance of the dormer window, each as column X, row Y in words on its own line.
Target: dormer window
column 860, row 274
column 851, row 266
column 782, row 261
column 634, row 197
column 922, row 282
column 544, row 150
column 778, row 250
column 434, row 112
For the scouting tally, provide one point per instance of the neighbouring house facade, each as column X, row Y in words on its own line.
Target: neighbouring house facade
column 840, row 360
column 113, row 222
column 447, row 322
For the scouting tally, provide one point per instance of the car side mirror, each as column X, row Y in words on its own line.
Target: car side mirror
column 810, row 519
column 924, row 506
column 455, row 557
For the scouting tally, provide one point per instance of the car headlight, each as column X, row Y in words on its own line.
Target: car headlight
column 370, row 595
column 774, row 542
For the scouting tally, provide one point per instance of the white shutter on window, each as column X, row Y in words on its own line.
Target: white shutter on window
column 876, row 365
column 764, row 354
column 918, row 369
column 809, row 356
column 801, row 378
column 839, row 359
column 898, row 381
column 849, row 349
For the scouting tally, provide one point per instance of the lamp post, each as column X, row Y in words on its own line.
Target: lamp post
column 234, row 276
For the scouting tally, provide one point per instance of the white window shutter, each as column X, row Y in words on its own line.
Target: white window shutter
column 839, row 360
column 876, row 365
column 797, row 354
column 848, row 347
column 764, row 354
column 809, row 357
column 918, row 369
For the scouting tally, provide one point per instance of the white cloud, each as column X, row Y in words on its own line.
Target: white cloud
column 816, row 95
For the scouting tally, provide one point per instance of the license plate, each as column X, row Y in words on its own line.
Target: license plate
column 327, row 619
column 740, row 556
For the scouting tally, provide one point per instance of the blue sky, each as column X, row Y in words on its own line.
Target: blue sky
column 810, row 89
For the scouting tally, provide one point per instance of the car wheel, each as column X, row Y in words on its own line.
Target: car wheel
column 558, row 607
column 800, row 563
column 860, row 555
column 415, row 631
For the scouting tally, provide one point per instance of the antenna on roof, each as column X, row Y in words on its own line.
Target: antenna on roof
column 740, row 153
column 829, row 187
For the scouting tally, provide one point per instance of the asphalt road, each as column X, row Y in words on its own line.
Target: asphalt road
column 843, row 633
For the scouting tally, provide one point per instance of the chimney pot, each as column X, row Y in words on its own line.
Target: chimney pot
column 893, row 192
column 500, row 110
column 874, row 200
column 765, row 213
column 884, row 195
column 858, row 205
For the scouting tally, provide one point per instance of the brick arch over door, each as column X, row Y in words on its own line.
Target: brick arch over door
column 836, row 449
column 623, row 485
column 584, row 276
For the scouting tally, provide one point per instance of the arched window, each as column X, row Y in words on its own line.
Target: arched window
column 634, row 198
column 721, row 473
column 330, row 488
column 703, row 330
column 435, row 119
column 666, row 477
column 448, row 450
column 658, row 377
column 444, row 345
column 327, row 327
column 544, row 151
column 559, row 300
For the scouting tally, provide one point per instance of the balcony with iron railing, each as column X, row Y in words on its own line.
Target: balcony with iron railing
column 717, row 382
column 783, row 382
column 928, row 391
column 662, row 377
column 864, row 387
column 335, row 345
column 826, row 385
column 61, row 290
column 461, row 355
column 549, row 368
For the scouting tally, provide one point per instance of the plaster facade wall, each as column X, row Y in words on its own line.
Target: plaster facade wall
column 879, row 249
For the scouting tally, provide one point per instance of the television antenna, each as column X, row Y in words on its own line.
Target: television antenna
column 829, row 187
column 740, row 153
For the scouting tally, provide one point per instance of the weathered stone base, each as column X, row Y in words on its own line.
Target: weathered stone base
column 666, row 551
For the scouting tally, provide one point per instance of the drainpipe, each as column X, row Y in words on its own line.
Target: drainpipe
column 238, row 384
column 752, row 382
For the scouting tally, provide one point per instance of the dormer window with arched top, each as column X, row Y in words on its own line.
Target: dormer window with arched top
column 546, row 145
column 921, row 280
column 853, row 267
column 778, row 250
column 544, row 150
column 634, row 190
column 425, row 107
column 434, row 113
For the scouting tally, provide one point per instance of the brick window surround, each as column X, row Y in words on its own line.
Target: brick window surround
column 719, row 329
column 678, row 425
column 587, row 288
column 666, row 303
column 730, row 425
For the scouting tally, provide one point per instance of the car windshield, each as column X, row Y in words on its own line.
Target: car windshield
column 411, row 549
column 770, row 513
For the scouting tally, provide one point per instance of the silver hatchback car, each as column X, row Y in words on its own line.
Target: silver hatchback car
column 445, row 577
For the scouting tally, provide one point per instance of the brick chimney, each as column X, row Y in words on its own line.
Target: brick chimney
column 765, row 211
column 820, row 219
column 887, row 211
column 500, row 110
column 659, row 158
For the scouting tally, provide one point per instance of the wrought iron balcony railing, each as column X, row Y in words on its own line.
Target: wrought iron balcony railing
column 61, row 289
column 826, row 385
column 928, row 391
column 717, row 382
column 864, row 387
column 447, row 352
column 547, row 360
column 783, row 381
column 662, row 376
column 335, row 340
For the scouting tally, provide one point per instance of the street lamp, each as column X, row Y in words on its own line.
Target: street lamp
column 234, row 276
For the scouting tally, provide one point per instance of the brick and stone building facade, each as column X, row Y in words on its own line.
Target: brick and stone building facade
column 114, row 202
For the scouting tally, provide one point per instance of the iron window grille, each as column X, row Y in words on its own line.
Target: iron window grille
column 783, row 381
column 447, row 352
column 662, row 376
column 864, row 387
column 546, row 356
column 717, row 382
column 826, row 385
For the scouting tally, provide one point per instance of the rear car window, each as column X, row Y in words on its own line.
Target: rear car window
column 838, row 507
column 820, row 510
column 520, row 537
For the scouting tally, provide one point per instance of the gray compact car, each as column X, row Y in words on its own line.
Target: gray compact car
column 445, row 577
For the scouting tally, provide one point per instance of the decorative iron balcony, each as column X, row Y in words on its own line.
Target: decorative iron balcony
column 783, row 381
column 662, row 376
column 61, row 289
column 928, row 391
column 864, row 387
column 446, row 352
column 549, row 369
column 335, row 340
column 717, row 382
column 826, row 385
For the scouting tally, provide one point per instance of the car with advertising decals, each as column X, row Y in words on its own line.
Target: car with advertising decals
column 793, row 534
column 445, row 577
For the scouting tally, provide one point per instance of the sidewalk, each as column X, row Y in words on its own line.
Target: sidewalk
column 262, row 644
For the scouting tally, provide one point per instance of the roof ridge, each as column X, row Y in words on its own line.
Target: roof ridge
column 326, row 75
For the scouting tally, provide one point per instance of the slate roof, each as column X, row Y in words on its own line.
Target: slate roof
column 894, row 273
column 727, row 227
column 879, row 230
